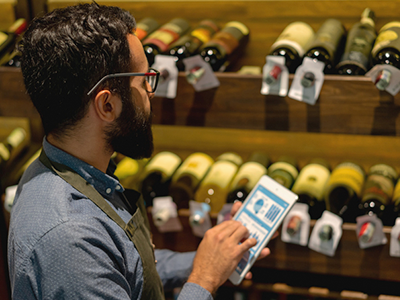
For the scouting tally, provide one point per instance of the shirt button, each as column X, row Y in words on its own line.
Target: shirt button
column 118, row 187
column 108, row 190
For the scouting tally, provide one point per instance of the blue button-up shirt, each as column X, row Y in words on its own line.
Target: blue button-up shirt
column 62, row 246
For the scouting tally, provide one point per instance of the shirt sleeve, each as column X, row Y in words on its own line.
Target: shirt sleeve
column 192, row 291
column 81, row 261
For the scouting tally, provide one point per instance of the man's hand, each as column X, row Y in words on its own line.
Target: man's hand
column 219, row 253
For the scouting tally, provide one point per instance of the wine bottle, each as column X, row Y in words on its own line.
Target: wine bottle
column 214, row 188
column 396, row 204
column 14, row 144
column 247, row 177
column 386, row 51
column 327, row 44
column 188, row 177
column 9, row 39
column 284, row 171
column 310, row 186
column 378, row 190
column 292, row 43
column 225, row 46
column 189, row 44
column 159, row 41
column 157, row 175
column 356, row 57
column 129, row 170
column 343, row 190
column 145, row 27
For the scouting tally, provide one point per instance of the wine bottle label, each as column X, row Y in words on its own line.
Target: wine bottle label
column 4, row 152
column 388, row 38
column 297, row 35
column 220, row 174
column 384, row 170
column 248, row 175
column 226, row 40
column 126, row 167
column 329, row 36
column 284, row 166
column 3, row 37
column 243, row 28
column 196, row 166
column 378, row 186
column 16, row 137
column 312, row 180
column 349, row 175
column 205, row 31
column 232, row 157
column 165, row 162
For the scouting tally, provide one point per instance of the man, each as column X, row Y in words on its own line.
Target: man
column 75, row 233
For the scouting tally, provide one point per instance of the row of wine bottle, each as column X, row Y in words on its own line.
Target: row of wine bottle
column 347, row 190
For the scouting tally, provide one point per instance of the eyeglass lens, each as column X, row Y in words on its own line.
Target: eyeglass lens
column 152, row 81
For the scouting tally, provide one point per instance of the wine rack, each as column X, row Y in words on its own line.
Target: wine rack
column 351, row 120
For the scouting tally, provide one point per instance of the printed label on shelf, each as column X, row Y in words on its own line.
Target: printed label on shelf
column 199, row 217
column 370, row 231
column 200, row 74
column 168, row 81
column 307, row 81
column 275, row 76
column 393, row 84
column 297, row 216
column 395, row 239
column 165, row 215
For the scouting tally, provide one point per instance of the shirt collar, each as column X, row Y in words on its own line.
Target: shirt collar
column 105, row 183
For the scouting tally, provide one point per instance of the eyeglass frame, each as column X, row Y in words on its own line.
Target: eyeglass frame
column 152, row 72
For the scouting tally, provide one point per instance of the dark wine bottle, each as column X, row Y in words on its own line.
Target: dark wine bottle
column 327, row 44
column 145, row 27
column 343, row 190
column 159, row 41
column 284, row 171
column 157, row 175
column 247, row 177
column 190, row 43
column 292, row 43
column 386, row 51
column 357, row 51
column 188, row 177
column 378, row 190
column 225, row 46
column 310, row 186
column 9, row 39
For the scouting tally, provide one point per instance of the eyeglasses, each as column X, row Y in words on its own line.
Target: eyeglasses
column 151, row 77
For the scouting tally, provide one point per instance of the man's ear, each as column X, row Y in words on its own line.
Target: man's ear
column 106, row 105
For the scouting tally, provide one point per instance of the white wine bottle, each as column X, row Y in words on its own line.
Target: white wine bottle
column 188, row 177
column 13, row 145
column 284, row 171
column 214, row 188
column 157, row 175
column 343, row 190
column 247, row 177
column 129, row 170
column 310, row 186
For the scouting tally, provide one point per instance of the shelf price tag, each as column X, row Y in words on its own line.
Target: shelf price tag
column 307, row 81
column 200, row 74
column 326, row 234
column 296, row 226
column 168, row 82
column 385, row 78
column 165, row 215
column 395, row 239
column 275, row 76
column 199, row 217
column 225, row 213
column 370, row 231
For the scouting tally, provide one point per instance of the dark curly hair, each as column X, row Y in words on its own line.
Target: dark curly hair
column 65, row 53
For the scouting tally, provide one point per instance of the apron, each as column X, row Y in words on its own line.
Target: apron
column 137, row 229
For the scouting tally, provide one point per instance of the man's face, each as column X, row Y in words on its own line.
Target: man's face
column 131, row 133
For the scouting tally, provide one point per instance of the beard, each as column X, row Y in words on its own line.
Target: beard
column 131, row 133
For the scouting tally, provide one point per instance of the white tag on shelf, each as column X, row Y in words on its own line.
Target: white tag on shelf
column 199, row 217
column 165, row 215
column 168, row 81
column 296, row 226
column 225, row 213
column 326, row 234
column 394, row 239
column 370, row 231
column 9, row 197
column 200, row 74
column 275, row 76
column 393, row 86
column 307, row 81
